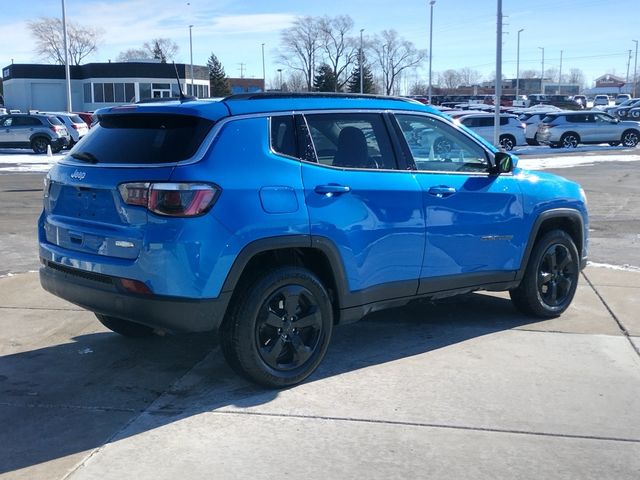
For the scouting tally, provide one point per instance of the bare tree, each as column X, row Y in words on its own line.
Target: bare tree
column 133, row 54
column 340, row 50
column 468, row 76
column 394, row 55
column 530, row 74
column 576, row 76
column 449, row 79
column 163, row 49
column 82, row 41
column 300, row 44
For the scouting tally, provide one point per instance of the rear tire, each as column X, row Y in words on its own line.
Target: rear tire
column 550, row 278
column 569, row 140
column 279, row 328
column 39, row 144
column 507, row 142
column 125, row 327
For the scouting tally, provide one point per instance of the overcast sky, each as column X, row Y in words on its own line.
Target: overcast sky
column 595, row 35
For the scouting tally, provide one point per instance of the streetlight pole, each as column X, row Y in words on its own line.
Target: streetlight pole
column 280, row 72
column 191, row 55
column 542, row 77
column 518, row 64
column 635, row 70
column 560, row 75
column 498, row 89
column 432, row 3
column 360, row 60
column 67, row 71
column 264, row 80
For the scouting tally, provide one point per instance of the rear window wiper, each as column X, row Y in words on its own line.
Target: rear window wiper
column 85, row 157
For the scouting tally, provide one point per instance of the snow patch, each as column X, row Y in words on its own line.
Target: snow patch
column 622, row 268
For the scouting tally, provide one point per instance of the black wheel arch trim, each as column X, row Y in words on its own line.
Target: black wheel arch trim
column 572, row 215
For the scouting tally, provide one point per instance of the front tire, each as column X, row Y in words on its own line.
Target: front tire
column 630, row 138
column 125, row 327
column 551, row 277
column 279, row 329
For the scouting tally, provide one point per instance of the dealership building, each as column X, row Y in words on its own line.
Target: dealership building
column 96, row 85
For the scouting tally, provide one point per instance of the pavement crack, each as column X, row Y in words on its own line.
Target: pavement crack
column 431, row 425
column 70, row 407
column 621, row 326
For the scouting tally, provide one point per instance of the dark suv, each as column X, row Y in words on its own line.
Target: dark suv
column 35, row 131
column 271, row 218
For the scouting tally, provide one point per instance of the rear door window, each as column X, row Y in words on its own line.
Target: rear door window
column 351, row 140
column 143, row 138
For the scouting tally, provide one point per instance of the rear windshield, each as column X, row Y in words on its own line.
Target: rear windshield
column 76, row 119
column 142, row 139
column 549, row 118
column 54, row 121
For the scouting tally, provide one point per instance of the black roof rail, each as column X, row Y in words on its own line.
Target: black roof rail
column 283, row 95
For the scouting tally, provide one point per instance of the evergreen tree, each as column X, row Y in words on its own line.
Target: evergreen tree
column 218, row 81
column 368, row 84
column 158, row 53
column 325, row 80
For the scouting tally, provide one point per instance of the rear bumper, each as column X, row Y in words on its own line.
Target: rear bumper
column 101, row 294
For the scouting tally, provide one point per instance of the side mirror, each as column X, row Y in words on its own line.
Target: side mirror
column 503, row 163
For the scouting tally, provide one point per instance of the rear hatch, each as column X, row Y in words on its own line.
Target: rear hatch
column 84, row 209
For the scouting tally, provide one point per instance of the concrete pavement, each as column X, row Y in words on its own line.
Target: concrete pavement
column 462, row 388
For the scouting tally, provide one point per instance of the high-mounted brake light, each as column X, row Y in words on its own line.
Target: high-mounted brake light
column 171, row 199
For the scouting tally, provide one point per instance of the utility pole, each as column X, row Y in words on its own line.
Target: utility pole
column 432, row 3
column 191, row 58
column 498, row 90
column 360, row 60
column 67, row 70
column 628, row 65
column 518, row 64
column 542, row 77
column 635, row 70
column 241, row 69
column 264, row 80
column 560, row 75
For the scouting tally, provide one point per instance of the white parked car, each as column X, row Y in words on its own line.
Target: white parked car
column 531, row 120
column 76, row 127
column 601, row 101
column 511, row 129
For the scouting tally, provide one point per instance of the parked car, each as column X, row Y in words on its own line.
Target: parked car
column 581, row 99
column 633, row 113
column 564, row 102
column 511, row 129
column 622, row 110
column 568, row 129
column 622, row 97
column 35, row 131
column 271, row 218
column 601, row 101
column 76, row 127
column 531, row 122
column 87, row 117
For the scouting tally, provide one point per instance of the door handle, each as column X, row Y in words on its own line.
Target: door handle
column 442, row 191
column 332, row 189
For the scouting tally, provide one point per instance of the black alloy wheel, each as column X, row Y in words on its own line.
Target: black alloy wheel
column 288, row 328
column 278, row 327
column 556, row 275
column 551, row 276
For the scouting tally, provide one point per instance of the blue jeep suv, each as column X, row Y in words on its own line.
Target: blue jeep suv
column 270, row 218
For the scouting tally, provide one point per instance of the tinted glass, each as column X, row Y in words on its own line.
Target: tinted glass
column 351, row 140
column 98, row 93
column 283, row 135
column 144, row 138
column 54, row 121
column 435, row 145
column 129, row 92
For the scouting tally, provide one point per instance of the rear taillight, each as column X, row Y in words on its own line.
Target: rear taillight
column 57, row 128
column 171, row 199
